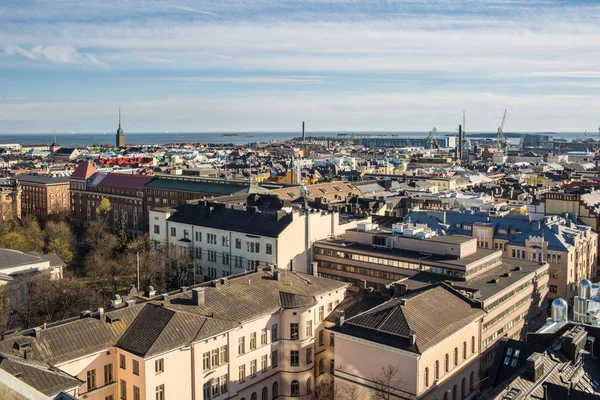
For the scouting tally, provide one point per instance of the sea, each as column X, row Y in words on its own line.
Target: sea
column 239, row 138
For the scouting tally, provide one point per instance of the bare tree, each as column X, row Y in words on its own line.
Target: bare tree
column 324, row 390
column 345, row 391
column 388, row 384
column 153, row 270
column 178, row 263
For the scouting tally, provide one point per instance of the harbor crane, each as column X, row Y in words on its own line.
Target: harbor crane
column 500, row 137
column 432, row 138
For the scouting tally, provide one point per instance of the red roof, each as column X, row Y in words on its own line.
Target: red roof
column 84, row 170
column 122, row 181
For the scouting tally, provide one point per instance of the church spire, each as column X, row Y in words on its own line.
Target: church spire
column 120, row 135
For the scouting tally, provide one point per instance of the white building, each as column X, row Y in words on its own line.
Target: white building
column 225, row 241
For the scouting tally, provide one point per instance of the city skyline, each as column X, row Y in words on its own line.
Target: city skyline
column 268, row 65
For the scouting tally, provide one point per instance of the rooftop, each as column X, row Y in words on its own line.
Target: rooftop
column 42, row 179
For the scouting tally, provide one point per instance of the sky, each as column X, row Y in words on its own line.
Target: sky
column 268, row 65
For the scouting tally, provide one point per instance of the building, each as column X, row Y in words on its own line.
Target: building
column 65, row 153
column 123, row 191
column 431, row 337
column 43, row 195
column 568, row 246
column 54, row 146
column 226, row 241
column 10, row 199
column 240, row 337
column 120, row 139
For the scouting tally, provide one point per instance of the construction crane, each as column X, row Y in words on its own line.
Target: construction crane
column 500, row 137
column 432, row 138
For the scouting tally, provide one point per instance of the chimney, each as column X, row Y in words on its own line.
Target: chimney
column 223, row 281
column 303, row 131
column 199, row 296
column 37, row 332
column 534, row 367
column 130, row 303
column 362, row 284
column 315, row 268
column 292, row 266
column 399, row 289
column 412, row 337
column 27, row 353
column 115, row 301
column 339, row 318
column 150, row 292
column 276, row 275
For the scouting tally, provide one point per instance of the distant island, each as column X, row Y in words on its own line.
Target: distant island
column 235, row 135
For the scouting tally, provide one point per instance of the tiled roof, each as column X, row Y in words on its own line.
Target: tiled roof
column 291, row 300
column 263, row 224
column 84, row 170
column 41, row 376
column 432, row 314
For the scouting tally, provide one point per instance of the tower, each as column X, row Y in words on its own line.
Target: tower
column 54, row 146
column 120, row 134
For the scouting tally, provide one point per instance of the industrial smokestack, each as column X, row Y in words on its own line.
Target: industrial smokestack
column 303, row 131
column 459, row 154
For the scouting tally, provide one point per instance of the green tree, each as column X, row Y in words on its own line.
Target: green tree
column 33, row 235
column 103, row 209
column 14, row 241
column 122, row 232
column 63, row 249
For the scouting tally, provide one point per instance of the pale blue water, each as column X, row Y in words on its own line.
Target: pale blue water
column 88, row 139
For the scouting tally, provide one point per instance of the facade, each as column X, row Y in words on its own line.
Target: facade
column 568, row 246
column 43, row 195
column 226, row 241
column 10, row 200
column 123, row 191
column 241, row 337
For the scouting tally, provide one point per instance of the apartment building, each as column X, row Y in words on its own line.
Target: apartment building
column 239, row 337
column 124, row 192
column 431, row 337
column 568, row 246
column 10, row 200
column 43, row 195
column 511, row 292
column 226, row 241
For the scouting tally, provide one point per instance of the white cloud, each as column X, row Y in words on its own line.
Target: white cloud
column 59, row 54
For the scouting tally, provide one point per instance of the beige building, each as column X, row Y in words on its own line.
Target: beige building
column 10, row 201
column 245, row 337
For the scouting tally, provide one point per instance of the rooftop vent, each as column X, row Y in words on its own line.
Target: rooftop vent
column 111, row 319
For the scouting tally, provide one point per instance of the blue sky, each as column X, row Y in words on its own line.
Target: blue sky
column 266, row 65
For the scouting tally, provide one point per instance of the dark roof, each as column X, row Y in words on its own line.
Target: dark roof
column 356, row 303
column 42, row 376
column 42, row 179
column 65, row 151
column 119, row 181
column 216, row 188
column 291, row 300
column 432, row 314
column 258, row 223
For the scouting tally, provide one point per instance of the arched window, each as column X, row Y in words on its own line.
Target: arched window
column 471, row 382
column 275, row 390
column 321, row 366
column 447, row 362
column 265, row 393
column 426, row 376
column 436, row 370
column 445, row 395
column 472, row 344
column 464, row 350
column 463, row 388
column 454, row 393
column 309, row 385
column 295, row 388
column 332, row 367
column 253, row 396
column 456, row 356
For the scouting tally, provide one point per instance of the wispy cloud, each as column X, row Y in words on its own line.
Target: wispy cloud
column 58, row 54
column 236, row 79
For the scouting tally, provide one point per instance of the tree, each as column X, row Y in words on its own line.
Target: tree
column 153, row 270
column 122, row 232
column 346, row 391
column 324, row 390
column 33, row 234
column 388, row 384
column 14, row 241
column 60, row 240
column 178, row 262
column 103, row 208
column 96, row 232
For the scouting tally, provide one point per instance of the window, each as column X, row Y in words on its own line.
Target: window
column 274, row 358
column 309, row 355
column 263, row 337
column 253, row 396
column 295, row 388
column 332, row 366
column 136, row 393
column 329, row 307
column 294, row 358
column 252, row 367
column 186, row 234
column 309, row 328
column 206, row 361
column 436, row 370
column 225, row 241
column 238, row 243
column 157, row 229
column 471, row 377
column 252, row 340
column 241, row 345
column 242, row 373
column 122, row 362
column 269, row 249
column 108, row 374
column 321, row 313
column 159, row 365
column 320, row 338
column 274, row 334
column 464, row 350
column 212, row 255
column 472, row 344
column 206, row 390
column 136, row 367
column 309, row 385
column 224, row 379
column 224, row 354
column 225, row 258
column 275, row 391
column 91, row 379
column 294, row 335
column 331, row 340
column 321, row 366
column 456, row 356
column 447, row 363
column 198, row 236
column 214, row 357
column 426, row 377
column 123, row 390
column 160, row 392
column 265, row 394
column 109, row 397
column 173, row 231
column 263, row 362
